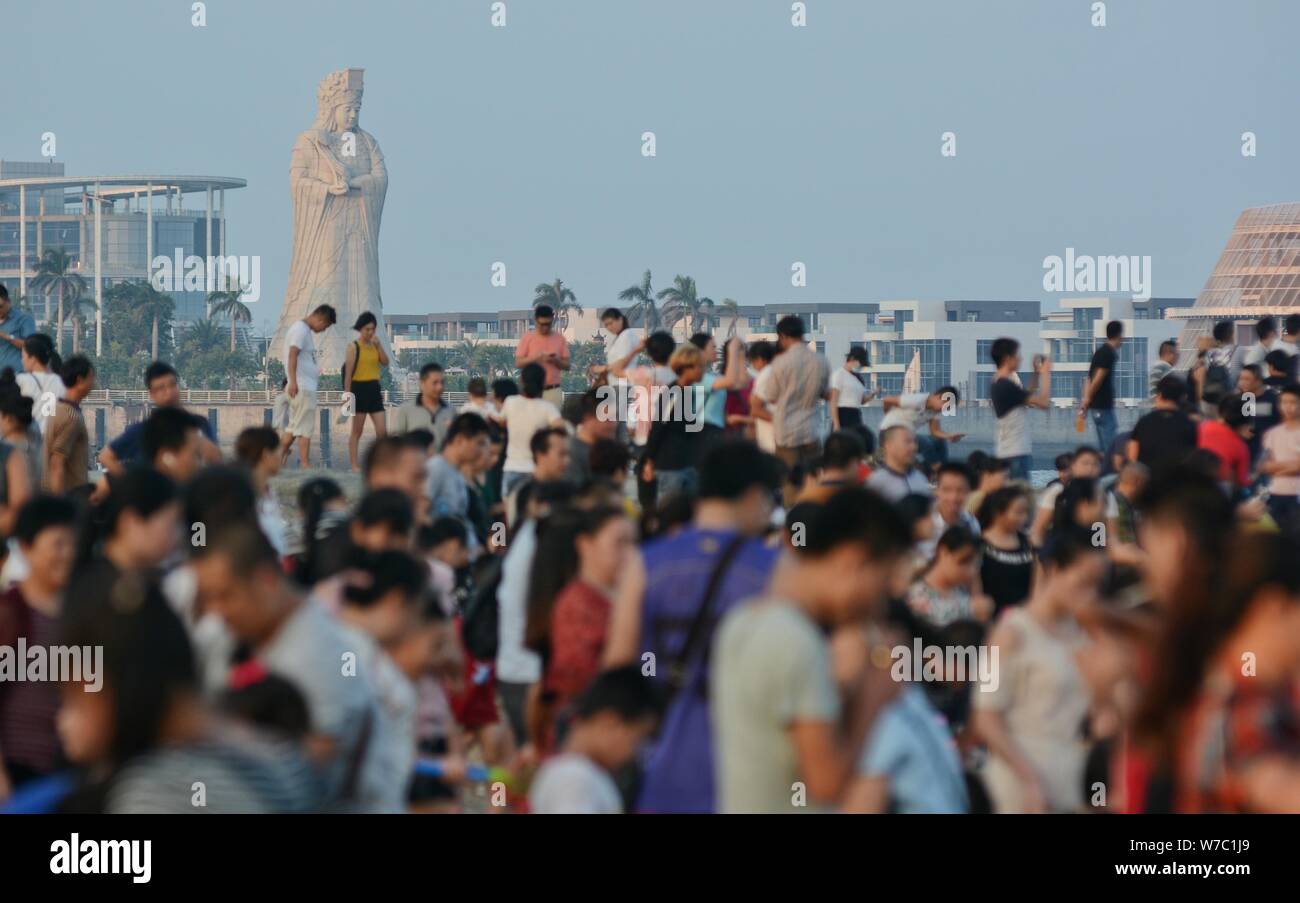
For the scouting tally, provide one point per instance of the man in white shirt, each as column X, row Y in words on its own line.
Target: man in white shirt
column 1011, row 400
column 913, row 409
column 303, row 373
column 953, row 487
column 1266, row 330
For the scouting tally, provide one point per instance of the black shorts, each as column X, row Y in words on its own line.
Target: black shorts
column 369, row 400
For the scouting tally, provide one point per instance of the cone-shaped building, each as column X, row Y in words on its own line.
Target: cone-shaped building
column 1258, row 274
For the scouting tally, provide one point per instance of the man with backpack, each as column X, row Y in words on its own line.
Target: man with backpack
column 721, row 557
column 1218, row 366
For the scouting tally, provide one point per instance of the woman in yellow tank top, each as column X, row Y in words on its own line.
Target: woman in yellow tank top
column 361, row 378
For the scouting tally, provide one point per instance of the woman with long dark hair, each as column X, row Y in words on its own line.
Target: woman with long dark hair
column 580, row 556
column 324, row 510
column 1222, row 723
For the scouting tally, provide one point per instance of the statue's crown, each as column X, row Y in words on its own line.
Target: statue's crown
column 345, row 84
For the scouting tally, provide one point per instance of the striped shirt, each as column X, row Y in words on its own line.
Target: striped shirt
column 799, row 380
column 239, row 772
column 28, row 708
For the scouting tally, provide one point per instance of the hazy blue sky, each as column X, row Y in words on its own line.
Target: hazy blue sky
column 775, row 143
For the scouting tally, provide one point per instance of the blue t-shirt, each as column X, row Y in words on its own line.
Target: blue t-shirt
column 715, row 402
column 19, row 325
column 127, row 446
column 911, row 747
column 679, row 768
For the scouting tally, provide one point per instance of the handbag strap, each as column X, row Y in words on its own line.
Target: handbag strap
column 697, row 634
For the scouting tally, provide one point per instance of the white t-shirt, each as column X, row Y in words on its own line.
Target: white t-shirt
column 849, row 386
column 1047, row 501
column 571, row 784
column 523, row 417
column 486, row 409
column 764, row 430
column 1256, row 353
column 33, row 386
column 911, row 412
column 1011, row 437
column 272, row 523
column 1282, row 443
column 515, row 662
column 300, row 336
column 931, row 545
column 622, row 346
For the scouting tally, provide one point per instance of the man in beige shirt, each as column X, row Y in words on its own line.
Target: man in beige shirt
column 799, row 380
column 67, row 444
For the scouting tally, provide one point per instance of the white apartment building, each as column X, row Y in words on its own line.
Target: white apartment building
column 1072, row 334
column 952, row 337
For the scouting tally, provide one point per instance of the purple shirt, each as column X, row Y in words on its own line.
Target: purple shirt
column 679, row 768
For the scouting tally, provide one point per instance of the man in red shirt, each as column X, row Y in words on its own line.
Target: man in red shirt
column 542, row 346
column 1226, row 437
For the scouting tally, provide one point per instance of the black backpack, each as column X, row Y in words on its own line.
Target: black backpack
column 478, row 629
column 1218, row 382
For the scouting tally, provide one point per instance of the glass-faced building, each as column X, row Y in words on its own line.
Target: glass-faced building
column 1257, row 275
column 139, row 218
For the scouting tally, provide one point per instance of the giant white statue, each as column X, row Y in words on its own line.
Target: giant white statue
column 338, row 181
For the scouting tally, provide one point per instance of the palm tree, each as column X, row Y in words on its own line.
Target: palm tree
column 500, row 360
column 559, row 298
column 732, row 310
column 643, row 306
column 473, row 356
column 227, row 303
column 682, row 303
column 53, row 277
column 81, row 311
column 223, row 296
column 155, row 305
column 203, row 336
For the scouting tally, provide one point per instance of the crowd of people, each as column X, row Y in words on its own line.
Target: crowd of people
column 703, row 585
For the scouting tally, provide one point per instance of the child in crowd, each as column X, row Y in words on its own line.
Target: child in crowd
column 478, row 403
column 444, row 544
column 611, row 719
column 949, row 589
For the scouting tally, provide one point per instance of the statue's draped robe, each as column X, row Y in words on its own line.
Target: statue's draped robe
column 335, row 239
